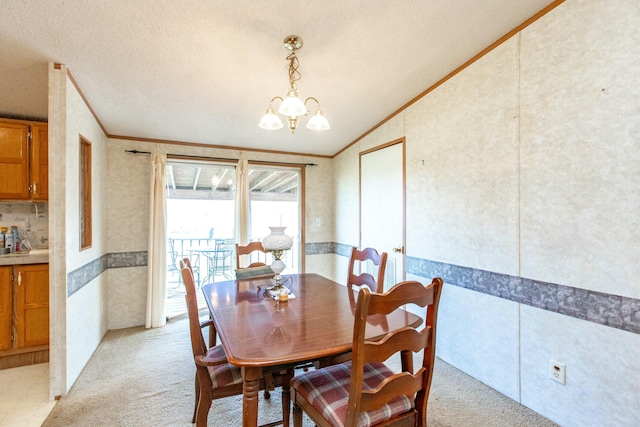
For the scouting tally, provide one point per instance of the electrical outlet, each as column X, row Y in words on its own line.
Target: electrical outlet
column 557, row 372
column 318, row 222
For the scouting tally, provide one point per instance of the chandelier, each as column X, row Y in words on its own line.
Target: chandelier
column 291, row 106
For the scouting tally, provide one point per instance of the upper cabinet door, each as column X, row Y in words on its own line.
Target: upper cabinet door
column 39, row 176
column 14, row 161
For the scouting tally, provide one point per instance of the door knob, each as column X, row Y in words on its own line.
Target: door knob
column 397, row 250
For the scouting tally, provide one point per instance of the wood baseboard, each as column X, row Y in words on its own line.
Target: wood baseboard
column 24, row 358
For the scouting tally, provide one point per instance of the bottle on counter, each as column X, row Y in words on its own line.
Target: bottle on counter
column 16, row 238
column 8, row 242
column 3, row 236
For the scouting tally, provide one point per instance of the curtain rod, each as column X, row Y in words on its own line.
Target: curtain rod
column 223, row 158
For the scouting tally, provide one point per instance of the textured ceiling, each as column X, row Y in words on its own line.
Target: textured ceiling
column 204, row 71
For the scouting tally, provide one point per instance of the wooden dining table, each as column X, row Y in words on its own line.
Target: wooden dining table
column 259, row 333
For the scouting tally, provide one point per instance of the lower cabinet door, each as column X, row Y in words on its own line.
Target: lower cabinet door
column 5, row 308
column 32, row 305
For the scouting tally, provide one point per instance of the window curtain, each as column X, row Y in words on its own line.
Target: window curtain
column 157, row 252
column 243, row 205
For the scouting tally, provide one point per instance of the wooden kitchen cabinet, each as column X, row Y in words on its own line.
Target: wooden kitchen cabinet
column 24, row 314
column 5, row 308
column 24, row 170
column 32, row 305
column 14, row 161
column 39, row 162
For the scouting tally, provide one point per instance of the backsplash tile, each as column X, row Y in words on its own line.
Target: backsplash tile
column 31, row 225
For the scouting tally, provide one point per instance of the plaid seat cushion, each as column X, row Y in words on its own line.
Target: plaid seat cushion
column 217, row 353
column 224, row 374
column 327, row 390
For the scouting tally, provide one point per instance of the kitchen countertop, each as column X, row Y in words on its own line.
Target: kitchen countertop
column 36, row 256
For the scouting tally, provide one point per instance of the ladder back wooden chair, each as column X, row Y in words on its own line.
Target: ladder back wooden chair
column 216, row 378
column 355, row 281
column 365, row 392
column 375, row 284
column 213, row 336
column 248, row 250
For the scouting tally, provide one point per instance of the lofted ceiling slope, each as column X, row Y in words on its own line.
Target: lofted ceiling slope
column 204, row 71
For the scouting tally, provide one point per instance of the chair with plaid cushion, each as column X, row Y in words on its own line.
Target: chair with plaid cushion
column 215, row 376
column 364, row 391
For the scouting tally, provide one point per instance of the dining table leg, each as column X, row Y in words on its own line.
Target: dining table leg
column 250, row 388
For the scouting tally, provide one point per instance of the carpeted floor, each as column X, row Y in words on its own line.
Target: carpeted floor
column 141, row 377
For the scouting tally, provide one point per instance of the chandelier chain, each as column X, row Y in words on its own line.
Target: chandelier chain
column 294, row 74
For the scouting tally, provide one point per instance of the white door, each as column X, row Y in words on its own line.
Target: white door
column 382, row 206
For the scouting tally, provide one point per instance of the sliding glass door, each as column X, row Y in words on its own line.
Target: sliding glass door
column 275, row 196
column 201, row 219
column 200, row 225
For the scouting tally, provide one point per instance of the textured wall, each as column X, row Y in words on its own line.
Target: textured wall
column 86, row 315
column 462, row 207
column 128, row 224
column 524, row 166
column 347, row 204
column 580, row 153
column 57, row 252
column 321, row 264
column 390, row 131
column 319, row 185
column 580, row 199
column 462, row 202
